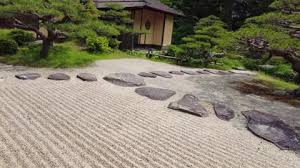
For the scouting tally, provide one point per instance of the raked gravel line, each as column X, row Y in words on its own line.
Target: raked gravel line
column 77, row 124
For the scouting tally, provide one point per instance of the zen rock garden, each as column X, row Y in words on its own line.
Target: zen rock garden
column 263, row 125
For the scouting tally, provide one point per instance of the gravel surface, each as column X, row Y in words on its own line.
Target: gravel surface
column 46, row 123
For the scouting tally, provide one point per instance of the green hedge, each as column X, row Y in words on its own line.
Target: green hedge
column 21, row 37
column 98, row 44
column 8, row 47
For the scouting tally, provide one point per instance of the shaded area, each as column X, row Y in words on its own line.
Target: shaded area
column 257, row 88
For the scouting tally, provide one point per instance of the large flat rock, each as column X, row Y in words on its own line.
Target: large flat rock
column 59, row 77
column 189, row 72
column 272, row 129
column 162, row 74
column 87, row 77
column 155, row 93
column 189, row 104
column 147, row 75
column 176, row 72
column 202, row 72
column 223, row 112
column 125, row 79
column 28, row 76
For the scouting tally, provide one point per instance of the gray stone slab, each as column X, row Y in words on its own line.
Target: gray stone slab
column 189, row 72
column 147, row 75
column 87, row 77
column 28, row 76
column 155, row 93
column 189, row 104
column 223, row 112
column 272, row 129
column 125, row 79
column 59, row 77
column 162, row 74
column 176, row 72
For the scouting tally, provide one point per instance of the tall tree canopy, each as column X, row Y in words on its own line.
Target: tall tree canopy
column 233, row 12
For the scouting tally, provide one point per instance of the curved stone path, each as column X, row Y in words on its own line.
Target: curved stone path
column 45, row 123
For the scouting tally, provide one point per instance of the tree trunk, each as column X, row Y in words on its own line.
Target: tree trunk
column 47, row 44
column 45, row 48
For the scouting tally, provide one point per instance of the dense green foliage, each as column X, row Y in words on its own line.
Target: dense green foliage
column 8, row 46
column 233, row 12
column 211, row 35
column 61, row 21
column 22, row 37
column 98, row 44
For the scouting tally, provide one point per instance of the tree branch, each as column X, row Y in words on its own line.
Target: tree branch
column 20, row 25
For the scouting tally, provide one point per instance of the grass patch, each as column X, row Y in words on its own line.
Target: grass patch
column 275, row 83
column 62, row 55
column 4, row 33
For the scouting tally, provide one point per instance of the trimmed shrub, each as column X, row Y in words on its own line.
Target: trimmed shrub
column 174, row 51
column 8, row 46
column 21, row 37
column 114, row 43
column 98, row 44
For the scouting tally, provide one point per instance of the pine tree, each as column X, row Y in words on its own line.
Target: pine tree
column 60, row 18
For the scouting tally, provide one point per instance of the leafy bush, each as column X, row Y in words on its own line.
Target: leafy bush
column 174, row 50
column 21, row 37
column 114, row 43
column 98, row 44
column 8, row 46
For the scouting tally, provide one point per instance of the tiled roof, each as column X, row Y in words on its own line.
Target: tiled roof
column 154, row 4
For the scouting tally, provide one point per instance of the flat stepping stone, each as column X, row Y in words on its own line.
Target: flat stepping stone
column 189, row 72
column 125, row 79
column 87, row 77
column 225, row 73
column 59, row 77
column 28, row 76
column 162, row 74
column 176, row 73
column 203, row 72
column 147, row 75
column 155, row 93
column 272, row 129
column 223, row 112
column 189, row 104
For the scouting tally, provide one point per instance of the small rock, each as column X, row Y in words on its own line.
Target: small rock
column 272, row 129
column 155, row 93
column 59, row 76
column 87, row 77
column 189, row 104
column 125, row 79
column 223, row 112
column 162, row 74
column 176, row 73
column 147, row 75
column 189, row 72
column 28, row 76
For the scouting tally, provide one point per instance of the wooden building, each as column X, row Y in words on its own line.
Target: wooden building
column 149, row 16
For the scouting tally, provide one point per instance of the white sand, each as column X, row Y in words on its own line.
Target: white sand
column 76, row 124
